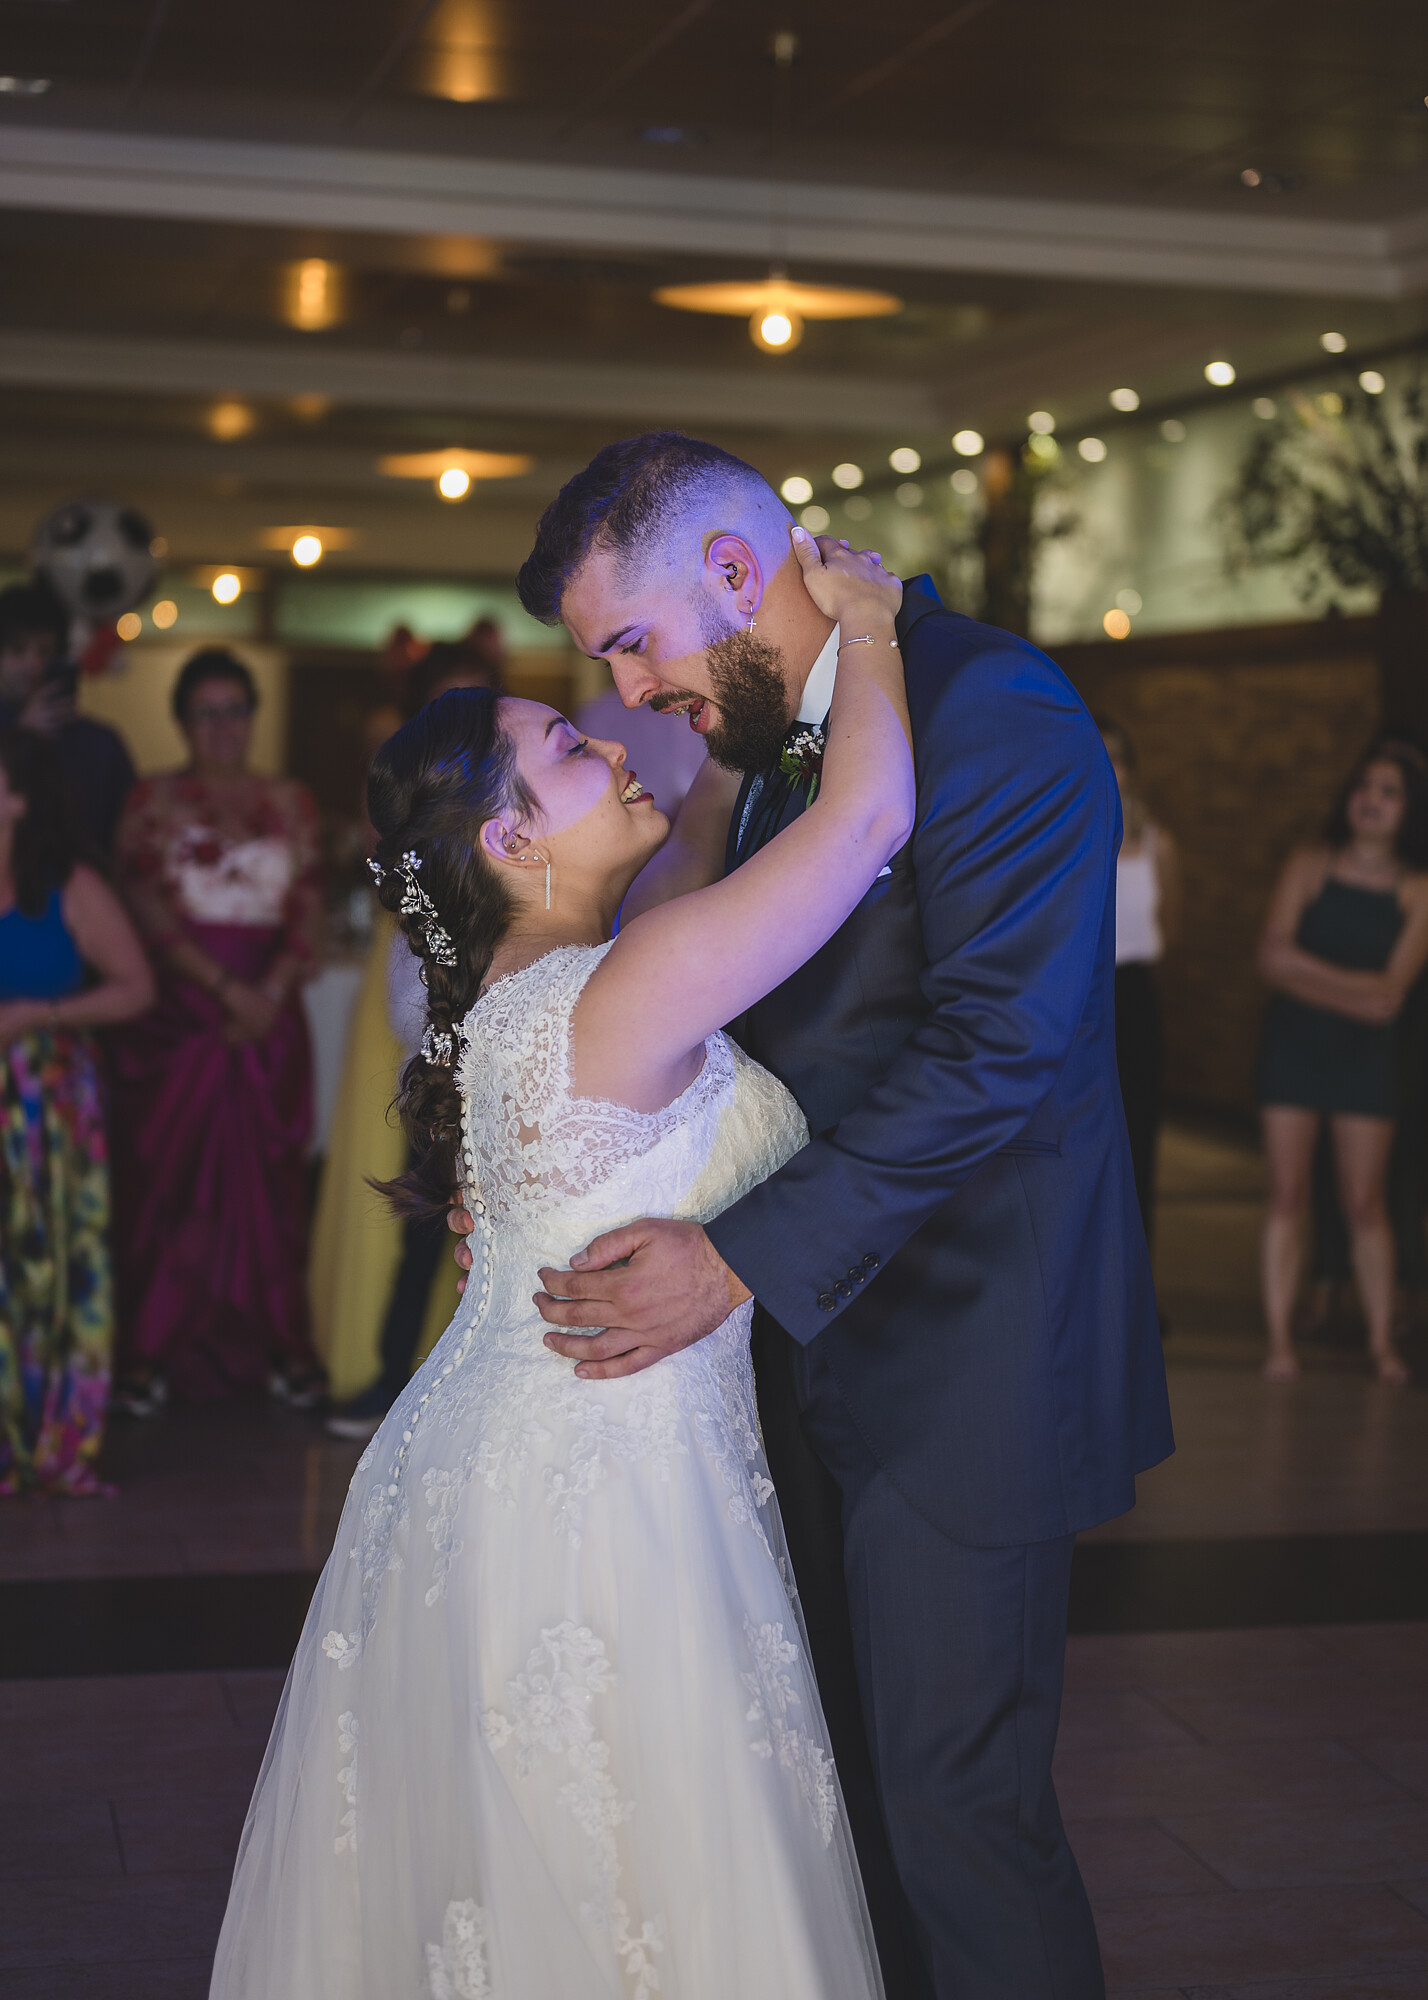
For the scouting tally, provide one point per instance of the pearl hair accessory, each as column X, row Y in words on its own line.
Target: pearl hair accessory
column 416, row 903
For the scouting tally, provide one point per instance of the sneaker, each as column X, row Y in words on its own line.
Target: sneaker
column 302, row 1392
column 139, row 1399
column 361, row 1418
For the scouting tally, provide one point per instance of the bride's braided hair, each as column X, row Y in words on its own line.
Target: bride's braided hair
column 430, row 788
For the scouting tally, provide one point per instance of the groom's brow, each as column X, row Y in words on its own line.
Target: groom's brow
column 608, row 645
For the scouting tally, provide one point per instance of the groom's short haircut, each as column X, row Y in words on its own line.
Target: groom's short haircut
column 625, row 500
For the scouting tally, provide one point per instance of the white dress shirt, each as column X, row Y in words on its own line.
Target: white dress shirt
column 818, row 688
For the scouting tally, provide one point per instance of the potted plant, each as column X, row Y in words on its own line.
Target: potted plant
column 1337, row 485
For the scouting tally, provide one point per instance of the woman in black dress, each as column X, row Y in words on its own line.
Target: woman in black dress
column 1346, row 936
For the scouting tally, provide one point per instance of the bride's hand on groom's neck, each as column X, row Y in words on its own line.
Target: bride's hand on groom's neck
column 654, row 1287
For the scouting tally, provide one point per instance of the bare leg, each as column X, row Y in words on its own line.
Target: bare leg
column 1361, row 1150
column 1289, row 1135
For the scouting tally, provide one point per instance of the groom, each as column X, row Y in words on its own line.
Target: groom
column 955, row 1336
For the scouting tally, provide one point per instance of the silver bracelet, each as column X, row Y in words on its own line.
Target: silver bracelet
column 868, row 640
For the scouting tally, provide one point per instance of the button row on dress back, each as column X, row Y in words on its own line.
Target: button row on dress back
column 478, row 1209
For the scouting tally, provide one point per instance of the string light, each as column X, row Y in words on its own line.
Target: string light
column 964, row 481
column 905, row 459
column 1264, row 408
column 1173, row 431
column 1333, row 343
column 1093, row 450
column 847, row 476
column 796, row 489
column 969, row 443
column 1125, row 399
column 1042, row 422
column 815, row 519
column 1372, row 383
column 1219, row 374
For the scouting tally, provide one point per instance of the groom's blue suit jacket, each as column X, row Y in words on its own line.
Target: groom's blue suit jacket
column 961, row 1236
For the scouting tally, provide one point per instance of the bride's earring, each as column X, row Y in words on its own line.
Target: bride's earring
column 547, row 885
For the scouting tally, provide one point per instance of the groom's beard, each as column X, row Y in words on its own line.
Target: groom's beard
column 749, row 690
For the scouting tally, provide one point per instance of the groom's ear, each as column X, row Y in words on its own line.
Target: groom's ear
column 733, row 570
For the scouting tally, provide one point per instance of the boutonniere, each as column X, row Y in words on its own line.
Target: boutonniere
column 802, row 761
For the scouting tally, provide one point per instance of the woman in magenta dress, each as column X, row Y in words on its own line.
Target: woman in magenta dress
column 213, row 1089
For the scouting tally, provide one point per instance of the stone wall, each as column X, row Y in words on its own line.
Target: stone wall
column 1244, row 738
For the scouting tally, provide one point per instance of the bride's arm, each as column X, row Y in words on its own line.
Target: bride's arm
column 680, row 971
column 693, row 856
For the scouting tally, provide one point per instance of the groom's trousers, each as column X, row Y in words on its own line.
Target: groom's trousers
column 953, row 1655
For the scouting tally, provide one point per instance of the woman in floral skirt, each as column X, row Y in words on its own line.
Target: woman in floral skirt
column 69, row 960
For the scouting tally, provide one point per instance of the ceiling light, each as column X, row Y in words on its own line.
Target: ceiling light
column 1251, row 177
column 25, row 86
column 776, row 329
column 969, row 443
column 129, row 626
column 847, row 476
column 229, row 420
column 778, row 299
column 815, row 519
column 227, row 588
column 796, row 489
column 1130, row 601
column 313, row 294
column 434, row 465
column 327, row 539
column 1173, row 431
column 964, row 480
column 905, row 459
column 165, row 613
column 1372, row 383
column 1219, row 374
column 1264, row 408
column 1093, row 450
column 1042, row 422
column 858, row 508
column 1333, row 343
column 909, row 494
column 1116, row 625
column 306, row 551
column 311, row 407
column 463, row 58
column 1044, row 448
column 454, row 482
column 1125, row 399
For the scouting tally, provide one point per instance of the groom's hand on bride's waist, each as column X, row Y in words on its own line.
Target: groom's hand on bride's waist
column 654, row 1287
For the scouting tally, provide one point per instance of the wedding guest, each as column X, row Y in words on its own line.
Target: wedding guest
column 69, row 960
column 37, row 691
column 213, row 1090
column 1345, row 940
column 381, row 1288
column 1148, row 907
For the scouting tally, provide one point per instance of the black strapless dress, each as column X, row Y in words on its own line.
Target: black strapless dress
column 1320, row 1060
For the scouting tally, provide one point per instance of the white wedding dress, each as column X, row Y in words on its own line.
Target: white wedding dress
column 551, row 1731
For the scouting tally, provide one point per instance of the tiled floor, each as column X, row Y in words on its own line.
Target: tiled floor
column 1250, row 1806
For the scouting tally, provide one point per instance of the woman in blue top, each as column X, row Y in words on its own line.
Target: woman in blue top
column 69, row 959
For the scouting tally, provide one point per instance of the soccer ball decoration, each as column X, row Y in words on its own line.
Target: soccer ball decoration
column 95, row 556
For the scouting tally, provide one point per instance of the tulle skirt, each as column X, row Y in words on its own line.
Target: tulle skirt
column 565, row 1744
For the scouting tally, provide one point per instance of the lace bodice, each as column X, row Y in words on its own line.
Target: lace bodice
column 557, row 1168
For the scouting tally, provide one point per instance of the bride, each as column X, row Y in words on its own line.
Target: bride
column 551, row 1731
